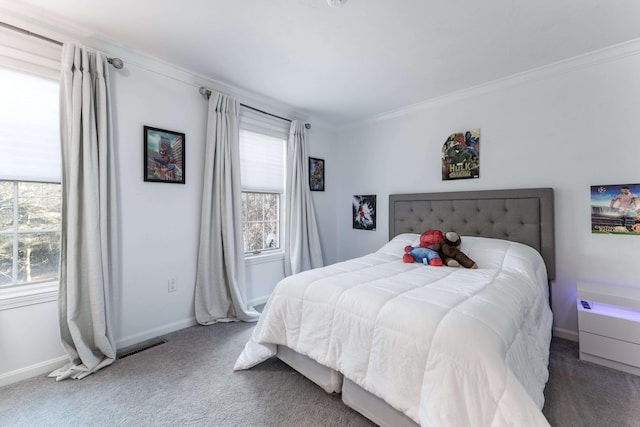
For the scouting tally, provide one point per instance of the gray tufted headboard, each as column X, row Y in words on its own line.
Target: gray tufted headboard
column 520, row 215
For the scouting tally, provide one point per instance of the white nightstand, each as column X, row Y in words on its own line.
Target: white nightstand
column 609, row 325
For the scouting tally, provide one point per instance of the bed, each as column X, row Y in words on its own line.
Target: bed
column 407, row 344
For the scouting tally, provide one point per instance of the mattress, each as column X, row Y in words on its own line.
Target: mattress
column 443, row 346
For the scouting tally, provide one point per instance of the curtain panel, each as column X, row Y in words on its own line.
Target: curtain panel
column 88, row 214
column 220, row 276
column 302, row 249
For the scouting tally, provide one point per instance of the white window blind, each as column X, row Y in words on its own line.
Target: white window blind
column 29, row 127
column 261, row 162
column 29, row 108
column 265, row 124
column 22, row 52
column 262, row 152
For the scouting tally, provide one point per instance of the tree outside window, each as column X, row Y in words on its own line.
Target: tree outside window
column 260, row 221
column 29, row 232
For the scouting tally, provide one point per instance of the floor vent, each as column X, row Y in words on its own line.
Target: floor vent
column 145, row 346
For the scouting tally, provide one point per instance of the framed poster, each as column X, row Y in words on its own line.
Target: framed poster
column 164, row 155
column 615, row 209
column 316, row 174
column 364, row 212
column 461, row 155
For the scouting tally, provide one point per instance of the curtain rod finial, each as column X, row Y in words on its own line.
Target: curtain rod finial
column 204, row 91
column 307, row 126
column 116, row 62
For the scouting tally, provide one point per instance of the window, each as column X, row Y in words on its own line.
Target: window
column 262, row 156
column 30, row 169
column 29, row 232
column 260, row 221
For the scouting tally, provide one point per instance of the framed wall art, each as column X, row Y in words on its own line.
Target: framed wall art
column 316, row 174
column 461, row 155
column 164, row 155
column 364, row 212
column 615, row 209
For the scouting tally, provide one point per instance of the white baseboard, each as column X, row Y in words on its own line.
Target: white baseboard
column 566, row 334
column 152, row 333
column 33, row 371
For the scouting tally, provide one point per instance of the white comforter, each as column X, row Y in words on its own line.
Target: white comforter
column 446, row 346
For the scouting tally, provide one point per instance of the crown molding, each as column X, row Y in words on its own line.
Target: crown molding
column 131, row 57
column 612, row 53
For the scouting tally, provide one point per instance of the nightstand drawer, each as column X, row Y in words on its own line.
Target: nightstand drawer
column 609, row 348
column 609, row 326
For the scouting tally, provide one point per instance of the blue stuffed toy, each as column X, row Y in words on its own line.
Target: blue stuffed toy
column 423, row 255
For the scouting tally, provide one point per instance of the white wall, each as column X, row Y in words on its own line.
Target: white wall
column 29, row 341
column 568, row 127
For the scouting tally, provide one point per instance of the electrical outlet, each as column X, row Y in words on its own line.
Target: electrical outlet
column 172, row 285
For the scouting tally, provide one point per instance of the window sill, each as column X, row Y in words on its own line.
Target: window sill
column 28, row 295
column 263, row 258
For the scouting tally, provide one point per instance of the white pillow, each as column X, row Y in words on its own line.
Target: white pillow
column 396, row 245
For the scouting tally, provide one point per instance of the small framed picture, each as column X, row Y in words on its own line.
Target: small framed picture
column 316, row 174
column 163, row 155
column 364, row 212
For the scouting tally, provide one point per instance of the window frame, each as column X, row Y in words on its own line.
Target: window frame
column 17, row 230
column 34, row 56
column 267, row 125
column 36, row 293
column 266, row 251
column 21, row 294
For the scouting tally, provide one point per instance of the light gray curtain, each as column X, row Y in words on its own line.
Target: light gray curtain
column 302, row 250
column 87, row 221
column 220, row 277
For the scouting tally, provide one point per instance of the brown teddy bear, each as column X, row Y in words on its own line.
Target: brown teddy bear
column 450, row 253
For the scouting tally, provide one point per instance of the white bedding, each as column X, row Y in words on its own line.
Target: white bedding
column 445, row 346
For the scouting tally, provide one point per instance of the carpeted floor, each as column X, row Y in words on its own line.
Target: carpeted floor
column 189, row 381
column 583, row 394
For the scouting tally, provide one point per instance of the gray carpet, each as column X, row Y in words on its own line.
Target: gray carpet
column 583, row 394
column 189, row 381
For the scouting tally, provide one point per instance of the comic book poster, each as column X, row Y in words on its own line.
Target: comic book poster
column 461, row 155
column 615, row 209
column 364, row 212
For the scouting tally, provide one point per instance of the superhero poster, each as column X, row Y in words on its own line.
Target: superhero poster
column 461, row 155
column 364, row 212
column 615, row 209
column 164, row 155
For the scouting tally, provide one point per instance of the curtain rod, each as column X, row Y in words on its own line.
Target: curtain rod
column 264, row 112
column 116, row 62
column 29, row 33
column 207, row 92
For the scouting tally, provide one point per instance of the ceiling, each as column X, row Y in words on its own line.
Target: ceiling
column 365, row 58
